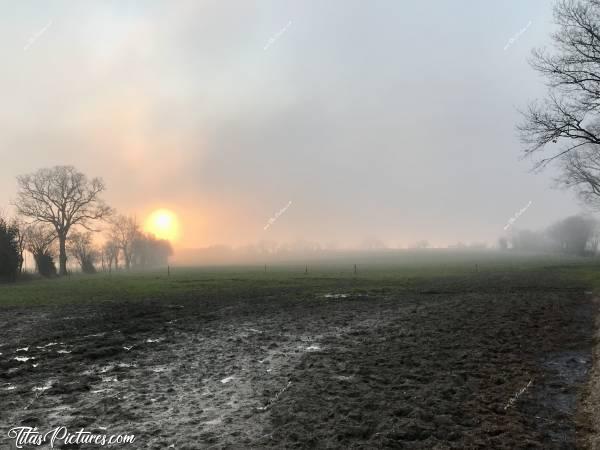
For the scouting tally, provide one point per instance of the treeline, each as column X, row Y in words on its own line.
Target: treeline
column 126, row 246
column 575, row 235
column 59, row 214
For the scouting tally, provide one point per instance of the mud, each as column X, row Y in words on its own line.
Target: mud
column 429, row 365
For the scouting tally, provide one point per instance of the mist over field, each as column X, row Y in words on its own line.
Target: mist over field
column 389, row 122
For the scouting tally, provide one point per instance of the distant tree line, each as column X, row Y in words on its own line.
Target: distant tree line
column 58, row 212
column 575, row 235
column 128, row 245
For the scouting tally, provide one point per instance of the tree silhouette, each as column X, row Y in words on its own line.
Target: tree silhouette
column 64, row 198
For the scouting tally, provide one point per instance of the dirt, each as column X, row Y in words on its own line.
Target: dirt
column 489, row 361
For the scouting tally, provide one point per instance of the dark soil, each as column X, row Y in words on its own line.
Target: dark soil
column 491, row 361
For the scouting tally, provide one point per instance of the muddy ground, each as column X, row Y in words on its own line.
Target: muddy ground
column 486, row 361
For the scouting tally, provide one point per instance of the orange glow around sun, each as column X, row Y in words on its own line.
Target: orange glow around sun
column 163, row 224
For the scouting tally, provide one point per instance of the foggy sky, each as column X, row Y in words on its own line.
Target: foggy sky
column 385, row 119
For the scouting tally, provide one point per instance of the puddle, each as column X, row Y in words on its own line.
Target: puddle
column 99, row 391
column 48, row 345
column 216, row 421
column 566, row 372
column 571, row 367
column 343, row 377
column 126, row 365
column 336, row 295
column 23, row 358
column 43, row 388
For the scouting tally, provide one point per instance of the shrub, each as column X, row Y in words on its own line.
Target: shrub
column 45, row 264
column 9, row 251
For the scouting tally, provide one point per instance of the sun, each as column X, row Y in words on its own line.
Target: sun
column 163, row 224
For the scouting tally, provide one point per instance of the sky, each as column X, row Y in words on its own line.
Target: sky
column 389, row 120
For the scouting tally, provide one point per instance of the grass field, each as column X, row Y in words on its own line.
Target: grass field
column 420, row 350
column 388, row 269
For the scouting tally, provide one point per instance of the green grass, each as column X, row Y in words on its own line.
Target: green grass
column 393, row 270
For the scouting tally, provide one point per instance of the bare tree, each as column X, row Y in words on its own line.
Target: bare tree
column 81, row 247
column 110, row 250
column 39, row 239
column 124, row 232
column 62, row 197
column 566, row 123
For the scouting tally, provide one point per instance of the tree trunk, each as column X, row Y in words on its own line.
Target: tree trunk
column 62, row 254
